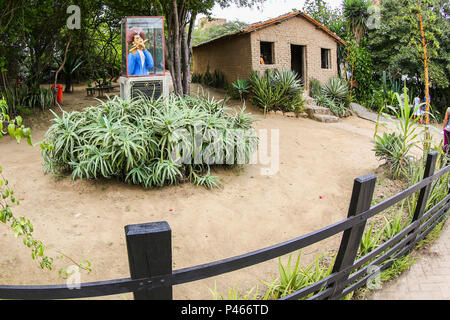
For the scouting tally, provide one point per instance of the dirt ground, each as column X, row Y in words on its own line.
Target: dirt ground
column 86, row 219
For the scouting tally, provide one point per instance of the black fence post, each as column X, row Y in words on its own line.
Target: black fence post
column 149, row 248
column 363, row 188
column 421, row 204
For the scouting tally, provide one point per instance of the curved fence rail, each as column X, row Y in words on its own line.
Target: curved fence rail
column 150, row 251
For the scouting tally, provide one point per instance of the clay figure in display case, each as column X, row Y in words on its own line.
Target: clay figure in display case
column 140, row 60
column 143, row 64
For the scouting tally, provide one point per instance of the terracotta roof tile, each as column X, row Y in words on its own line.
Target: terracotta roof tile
column 259, row 25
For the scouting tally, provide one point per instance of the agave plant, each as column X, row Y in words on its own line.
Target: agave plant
column 336, row 89
column 242, row 87
column 288, row 80
column 277, row 89
column 388, row 148
column 264, row 94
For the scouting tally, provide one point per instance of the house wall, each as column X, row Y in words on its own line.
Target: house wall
column 231, row 55
column 237, row 56
column 297, row 31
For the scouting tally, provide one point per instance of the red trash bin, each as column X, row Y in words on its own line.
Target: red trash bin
column 59, row 95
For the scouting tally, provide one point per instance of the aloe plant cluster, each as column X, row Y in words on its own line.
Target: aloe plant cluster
column 149, row 142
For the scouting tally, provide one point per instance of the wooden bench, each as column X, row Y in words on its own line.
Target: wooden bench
column 91, row 90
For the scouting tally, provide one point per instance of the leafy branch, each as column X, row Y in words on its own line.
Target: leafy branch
column 22, row 227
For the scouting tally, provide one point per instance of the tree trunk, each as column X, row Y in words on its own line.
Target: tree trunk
column 185, row 63
column 60, row 68
column 176, row 76
column 187, row 54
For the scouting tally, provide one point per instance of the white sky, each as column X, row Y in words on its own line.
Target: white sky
column 270, row 9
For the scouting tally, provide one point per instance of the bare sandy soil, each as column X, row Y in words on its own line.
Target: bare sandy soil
column 86, row 219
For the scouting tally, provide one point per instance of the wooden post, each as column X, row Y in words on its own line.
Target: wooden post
column 361, row 200
column 424, row 192
column 149, row 248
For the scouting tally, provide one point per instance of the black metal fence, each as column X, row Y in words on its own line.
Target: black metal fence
column 150, row 251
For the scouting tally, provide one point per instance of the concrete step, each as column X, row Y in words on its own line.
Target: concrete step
column 325, row 118
column 312, row 110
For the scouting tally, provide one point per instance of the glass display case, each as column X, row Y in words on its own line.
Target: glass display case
column 142, row 46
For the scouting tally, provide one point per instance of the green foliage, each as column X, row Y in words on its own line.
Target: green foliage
column 395, row 225
column 239, row 89
column 21, row 226
column 277, row 90
column 235, row 294
column 294, row 278
column 363, row 73
column 333, row 95
column 205, row 34
column 321, row 11
column 336, row 89
column 315, row 88
column 356, row 13
column 149, row 142
column 398, row 266
column 71, row 65
column 217, row 79
column 397, row 45
column 370, row 240
column 388, row 147
column 197, row 78
column 26, row 97
column 265, row 93
column 395, row 148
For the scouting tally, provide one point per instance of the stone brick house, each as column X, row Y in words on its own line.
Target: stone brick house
column 292, row 41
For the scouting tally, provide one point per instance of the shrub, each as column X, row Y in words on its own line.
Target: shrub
column 338, row 110
column 408, row 138
column 336, row 89
column 207, row 78
column 277, row 90
column 149, row 142
column 333, row 95
column 21, row 97
column 240, row 88
column 217, row 79
column 295, row 277
column 265, row 93
column 297, row 104
column 315, row 88
column 388, row 147
column 197, row 78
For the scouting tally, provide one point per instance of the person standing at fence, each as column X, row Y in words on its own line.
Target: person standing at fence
column 446, row 128
column 447, row 140
column 418, row 109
